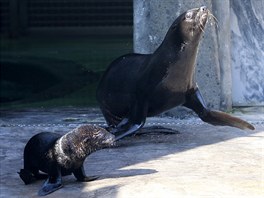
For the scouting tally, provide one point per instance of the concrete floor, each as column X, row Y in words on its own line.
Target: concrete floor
column 196, row 160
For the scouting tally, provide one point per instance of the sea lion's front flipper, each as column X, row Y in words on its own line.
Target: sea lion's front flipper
column 80, row 175
column 195, row 101
column 49, row 187
column 126, row 130
column 52, row 184
column 134, row 122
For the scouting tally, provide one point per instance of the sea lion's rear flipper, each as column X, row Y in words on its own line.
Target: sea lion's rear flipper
column 29, row 177
column 26, row 176
column 53, row 183
column 195, row 101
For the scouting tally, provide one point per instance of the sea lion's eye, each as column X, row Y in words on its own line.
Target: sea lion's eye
column 188, row 15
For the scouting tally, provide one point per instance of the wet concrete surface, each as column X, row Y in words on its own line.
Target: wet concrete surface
column 187, row 158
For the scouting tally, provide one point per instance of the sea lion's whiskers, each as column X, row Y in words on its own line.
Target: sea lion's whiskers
column 211, row 16
column 201, row 25
column 197, row 18
column 201, row 28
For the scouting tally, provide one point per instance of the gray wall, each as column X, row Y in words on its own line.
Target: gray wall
column 152, row 19
column 247, row 31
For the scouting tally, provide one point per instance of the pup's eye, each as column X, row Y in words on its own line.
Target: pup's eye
column 188, row 15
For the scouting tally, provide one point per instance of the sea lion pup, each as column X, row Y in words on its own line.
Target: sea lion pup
column 59, row 155
column 136, row 86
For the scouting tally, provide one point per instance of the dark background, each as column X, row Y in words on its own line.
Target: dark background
column 53, row 52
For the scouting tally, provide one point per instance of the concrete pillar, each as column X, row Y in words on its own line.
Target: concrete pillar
column 221, row 10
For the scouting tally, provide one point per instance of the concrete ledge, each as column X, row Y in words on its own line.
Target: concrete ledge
column 199, row 161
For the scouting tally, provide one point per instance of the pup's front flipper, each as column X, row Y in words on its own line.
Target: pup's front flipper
column 50, row 185
column 90, row 178
column 80, row 175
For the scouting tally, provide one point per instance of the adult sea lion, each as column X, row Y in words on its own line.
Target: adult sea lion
column 136, row 86
column 59, row 155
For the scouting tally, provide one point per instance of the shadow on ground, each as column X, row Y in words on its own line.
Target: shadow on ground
column 146, row 157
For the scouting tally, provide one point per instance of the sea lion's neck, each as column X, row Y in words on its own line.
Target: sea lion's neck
column 179, row 60
column 178, row 54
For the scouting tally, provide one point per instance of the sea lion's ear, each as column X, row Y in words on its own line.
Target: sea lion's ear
column 86, row 139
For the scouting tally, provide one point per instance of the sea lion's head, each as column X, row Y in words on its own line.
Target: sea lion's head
column 96, row 137
column 189, row 26
column 86, row 139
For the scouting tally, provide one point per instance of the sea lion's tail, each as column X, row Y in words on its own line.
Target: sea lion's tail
column 220, row 118
column 26, row 176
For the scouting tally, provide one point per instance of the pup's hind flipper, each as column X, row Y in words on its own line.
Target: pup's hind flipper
column 26, row 176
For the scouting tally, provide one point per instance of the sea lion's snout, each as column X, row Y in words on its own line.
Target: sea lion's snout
column 95, row 137
column 201, row 17
column 203, row 12
column 108, row 139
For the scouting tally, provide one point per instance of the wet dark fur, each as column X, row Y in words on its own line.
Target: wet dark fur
column 59, row 155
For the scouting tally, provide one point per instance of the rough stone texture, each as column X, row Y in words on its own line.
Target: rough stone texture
column 247, row 25
column 199, row 161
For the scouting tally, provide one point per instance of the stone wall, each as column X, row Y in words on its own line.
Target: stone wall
column 247, row 31
column 152, row 19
